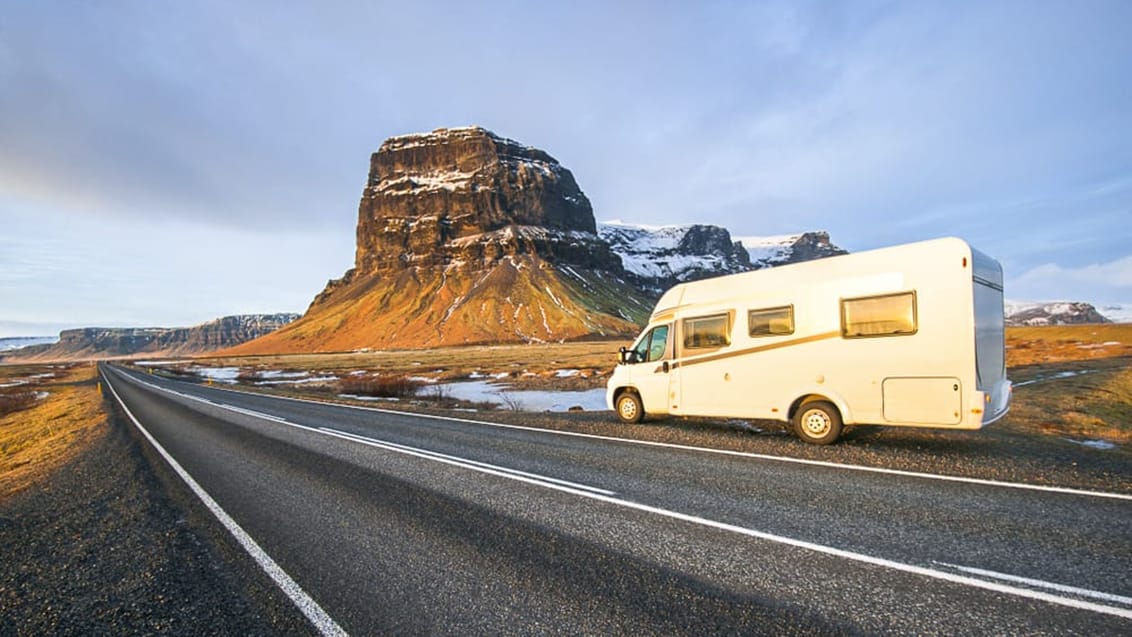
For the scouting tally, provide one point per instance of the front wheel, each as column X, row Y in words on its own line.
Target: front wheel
column 818, row 422
column 629, row 408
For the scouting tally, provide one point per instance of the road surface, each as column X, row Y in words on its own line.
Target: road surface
column 377, row 522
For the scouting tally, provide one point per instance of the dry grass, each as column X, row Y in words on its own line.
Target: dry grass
column 1073, row 381
column 1079, row 401
column 1062, row 343
column 380, row 386
column 46, row 434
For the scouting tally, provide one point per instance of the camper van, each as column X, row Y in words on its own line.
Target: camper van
column 911, row 335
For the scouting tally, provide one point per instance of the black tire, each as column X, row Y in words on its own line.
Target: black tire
column 629, row 408
column 817, row 422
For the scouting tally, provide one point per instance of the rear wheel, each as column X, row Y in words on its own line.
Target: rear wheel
column 818, row 422
column 629, row 408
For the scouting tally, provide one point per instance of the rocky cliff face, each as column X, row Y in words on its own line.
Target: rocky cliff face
column 466, row 237
column 770, row 251
column 457, row 196
column 102, row 342
column 657, row 257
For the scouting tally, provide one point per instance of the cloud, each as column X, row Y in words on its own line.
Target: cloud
column 1097, row 283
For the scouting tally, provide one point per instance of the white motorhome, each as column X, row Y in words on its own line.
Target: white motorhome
column 911, row 335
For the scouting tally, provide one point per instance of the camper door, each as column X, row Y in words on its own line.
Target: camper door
column 650, row 359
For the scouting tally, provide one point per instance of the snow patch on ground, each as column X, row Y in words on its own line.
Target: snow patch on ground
column 1094, row 444
column 299, row 381
column 276, row 374
column 1057, row 376
column 482, row 391
column 1099, row 345
column 218, row 374
column 370, row 398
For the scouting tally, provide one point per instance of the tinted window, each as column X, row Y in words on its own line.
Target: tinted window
column 651, row 347
column 657, row 345
column 879, row 315
column 771, row 321
column 707, row 331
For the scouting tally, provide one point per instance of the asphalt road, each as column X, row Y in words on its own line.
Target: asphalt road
column 387, row 523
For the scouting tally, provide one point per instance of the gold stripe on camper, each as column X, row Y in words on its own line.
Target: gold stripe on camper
column 752, row 350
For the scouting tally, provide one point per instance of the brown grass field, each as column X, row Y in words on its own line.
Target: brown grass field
column 39, row 436
column 1072, row 381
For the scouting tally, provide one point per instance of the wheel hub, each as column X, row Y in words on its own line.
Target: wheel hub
column 816, row 422
column 628, row 409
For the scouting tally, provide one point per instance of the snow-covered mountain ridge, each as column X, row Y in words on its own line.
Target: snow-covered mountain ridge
column 658, row 257
column 1029, row 313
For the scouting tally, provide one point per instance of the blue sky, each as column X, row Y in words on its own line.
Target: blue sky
column 167, row 163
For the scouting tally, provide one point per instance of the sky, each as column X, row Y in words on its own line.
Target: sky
column 167, row 163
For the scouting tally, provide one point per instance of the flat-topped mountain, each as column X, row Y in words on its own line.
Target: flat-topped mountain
column 467, row 237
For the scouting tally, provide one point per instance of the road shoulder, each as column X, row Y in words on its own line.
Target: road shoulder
column 106, row 545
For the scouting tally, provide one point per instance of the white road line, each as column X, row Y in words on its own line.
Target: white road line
column 829, row 550
column 462, row 462
column 467, row 463
column 723, row 452
column 1062, row 588
column 304, row 602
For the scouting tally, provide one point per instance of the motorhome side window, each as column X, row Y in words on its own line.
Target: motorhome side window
column 771, row 321
column 707, row 331
column 888, row 315
column 652, row 346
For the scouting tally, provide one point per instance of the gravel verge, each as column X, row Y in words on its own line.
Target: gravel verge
column 108, row 545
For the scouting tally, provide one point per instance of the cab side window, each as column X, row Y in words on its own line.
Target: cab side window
column 659, row 343
column 652, row 346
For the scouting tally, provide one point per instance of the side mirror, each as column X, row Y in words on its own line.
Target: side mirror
column 624, row 354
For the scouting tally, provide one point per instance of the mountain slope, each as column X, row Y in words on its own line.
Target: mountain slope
column 114, row 342
column 1052, row 313
column 517, row 299
column 19, row 342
